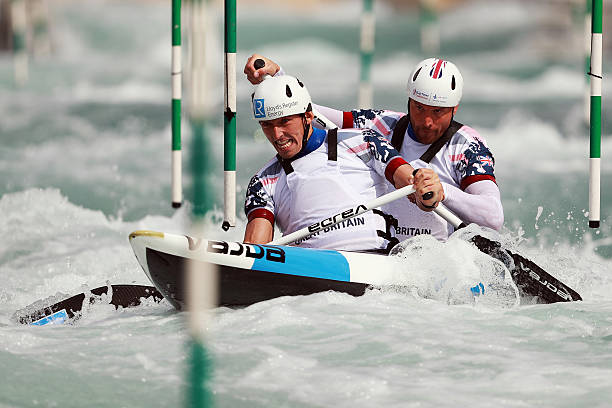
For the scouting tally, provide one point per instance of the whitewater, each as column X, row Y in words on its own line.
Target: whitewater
column 85, row 160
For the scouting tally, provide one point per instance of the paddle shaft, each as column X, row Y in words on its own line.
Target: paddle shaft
column 344, row 215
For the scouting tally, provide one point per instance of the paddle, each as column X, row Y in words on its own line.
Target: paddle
column 531, row 279
column 40, row 314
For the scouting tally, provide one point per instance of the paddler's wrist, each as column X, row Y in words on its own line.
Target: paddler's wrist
column 401, row 175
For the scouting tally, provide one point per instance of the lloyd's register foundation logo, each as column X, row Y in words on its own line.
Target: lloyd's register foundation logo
column 259, row 110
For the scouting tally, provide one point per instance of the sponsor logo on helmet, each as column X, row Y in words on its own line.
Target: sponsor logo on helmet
column 278, row 110
column 420, row 94
column 439, row 98
column 258, row 108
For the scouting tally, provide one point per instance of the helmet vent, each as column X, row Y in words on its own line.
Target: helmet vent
column 453, row 83
column 416, row 74
column 300, row 82
column 288, row 91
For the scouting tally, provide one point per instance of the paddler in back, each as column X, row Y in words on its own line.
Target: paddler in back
column 317, row 173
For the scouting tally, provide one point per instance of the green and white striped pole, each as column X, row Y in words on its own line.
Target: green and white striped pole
column 39, row 12
column 229, row 118
column 201, row 277
column 177, row 80
column 430, row 27
column 587, row 58
column 368, row 29
column 20, row 53
column 595, row 145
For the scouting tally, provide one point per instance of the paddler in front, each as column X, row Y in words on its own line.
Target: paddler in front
column 317, row 173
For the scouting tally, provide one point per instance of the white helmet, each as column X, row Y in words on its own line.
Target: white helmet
column 436, row 82
column 280, row 96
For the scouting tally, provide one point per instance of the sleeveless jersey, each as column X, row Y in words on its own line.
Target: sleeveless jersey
column 316, row 187
column 463, row 160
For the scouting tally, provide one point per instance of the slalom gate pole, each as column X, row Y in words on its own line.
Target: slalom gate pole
column 229, row 118
column 430, row 27
column 587, row 58
column 595, row 126
column 201, row 280
column 368, row 29
column 39, row 11
column 20, row 52
column 177, row 79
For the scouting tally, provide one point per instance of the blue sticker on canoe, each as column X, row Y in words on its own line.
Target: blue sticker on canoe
column 56, row 318
column 307, row 262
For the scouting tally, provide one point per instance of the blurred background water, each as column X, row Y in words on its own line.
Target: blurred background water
column 85, row 159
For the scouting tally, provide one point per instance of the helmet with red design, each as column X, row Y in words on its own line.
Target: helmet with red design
column 436, row 82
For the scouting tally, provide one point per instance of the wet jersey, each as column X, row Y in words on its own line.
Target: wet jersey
column 298, row 193
column 463, row 160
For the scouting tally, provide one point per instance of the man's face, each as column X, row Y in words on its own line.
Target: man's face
column 430, row 122
column 286, row 133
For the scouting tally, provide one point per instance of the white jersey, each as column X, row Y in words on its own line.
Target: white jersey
column 463, row 160
column 298, row 193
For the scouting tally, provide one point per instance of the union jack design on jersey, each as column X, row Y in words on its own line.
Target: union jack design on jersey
column 436, row 70
column 485, row 160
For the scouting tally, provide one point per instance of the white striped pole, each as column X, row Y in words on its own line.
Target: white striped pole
column 595, row 136
column 430, row 27
column 177, row 80
column 201, row 277
column 368, row 29
column 587, row 59
column 229, row 118
column 39, row 12
column 20, row 53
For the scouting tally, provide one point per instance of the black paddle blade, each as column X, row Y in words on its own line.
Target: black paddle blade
column 531, row 280
column 123, row 295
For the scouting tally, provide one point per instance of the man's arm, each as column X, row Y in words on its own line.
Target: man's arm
column 342, row 119
column 255, row 76
column 387, row 161
column 480, row 203
column 477, row 199
column 259, row 231
column 338, row 117
column 259, row 210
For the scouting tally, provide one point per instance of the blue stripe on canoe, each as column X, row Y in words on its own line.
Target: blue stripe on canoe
column 311, row 263
column 58, row 317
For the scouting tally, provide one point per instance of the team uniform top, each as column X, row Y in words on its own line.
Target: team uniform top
column 462, row 161
column 315, row 185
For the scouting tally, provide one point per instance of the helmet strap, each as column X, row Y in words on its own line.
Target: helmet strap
column 409, row 117
column 306, row 132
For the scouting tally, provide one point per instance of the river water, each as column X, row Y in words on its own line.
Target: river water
column 85, row 160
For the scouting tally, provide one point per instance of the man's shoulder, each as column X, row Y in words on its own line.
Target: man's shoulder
column 271, row 169
column 381, row 121
column 372, row 113
column 352, row 137
column 348, row 133
column 468, row 134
